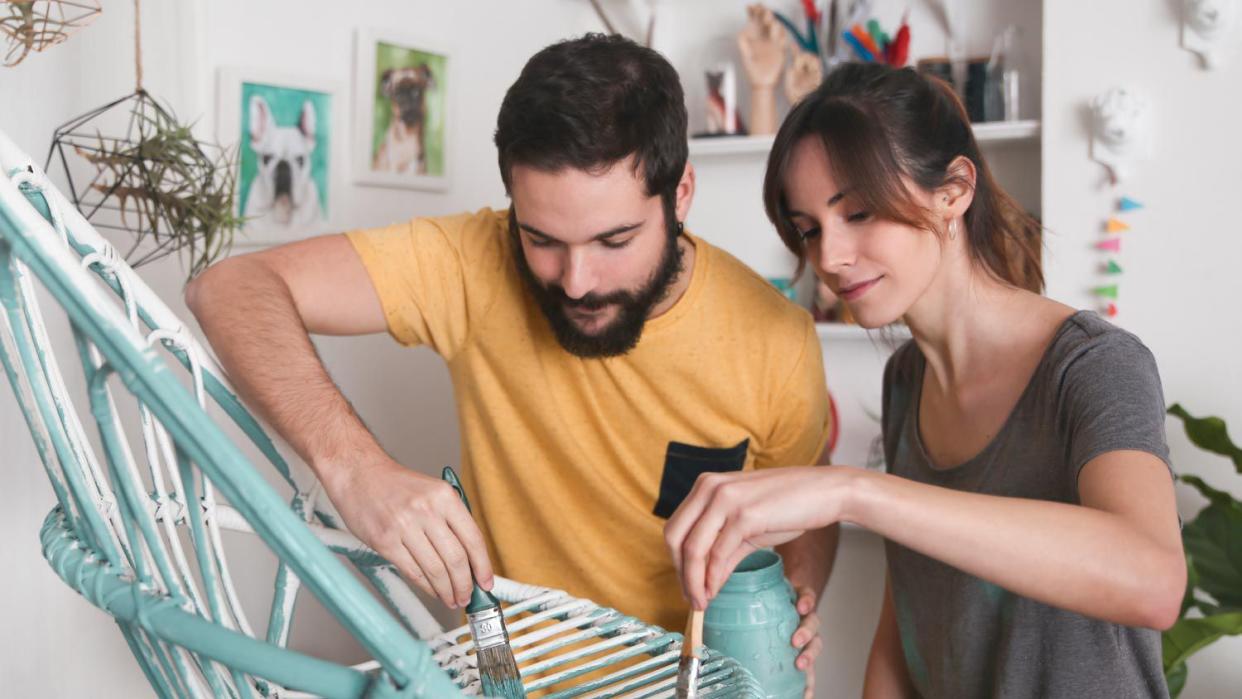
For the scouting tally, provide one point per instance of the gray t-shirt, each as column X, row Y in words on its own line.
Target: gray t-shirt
column 1096, row 390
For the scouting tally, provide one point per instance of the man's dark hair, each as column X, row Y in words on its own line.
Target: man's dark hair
column 590, row 102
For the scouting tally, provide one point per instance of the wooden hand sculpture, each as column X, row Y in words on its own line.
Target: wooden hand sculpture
column 762, row 43
column 805, row 74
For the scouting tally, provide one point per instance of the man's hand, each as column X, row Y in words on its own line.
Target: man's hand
column 417, row 523
column 806, row 638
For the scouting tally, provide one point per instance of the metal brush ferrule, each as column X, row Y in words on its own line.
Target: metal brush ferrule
column 488, row 628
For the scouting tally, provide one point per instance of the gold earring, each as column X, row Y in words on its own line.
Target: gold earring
column 953, row 229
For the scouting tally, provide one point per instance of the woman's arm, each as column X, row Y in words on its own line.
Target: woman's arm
column 887, row 676
column 1117, row 557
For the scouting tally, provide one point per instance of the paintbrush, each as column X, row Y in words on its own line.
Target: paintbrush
column 498, row 671
column 688, row 668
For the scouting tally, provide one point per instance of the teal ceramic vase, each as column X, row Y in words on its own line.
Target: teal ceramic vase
column 753, row 620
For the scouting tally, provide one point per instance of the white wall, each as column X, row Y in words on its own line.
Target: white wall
column 1181, row 284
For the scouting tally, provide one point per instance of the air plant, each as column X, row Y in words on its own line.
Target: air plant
column 36, row 25
column 158, row 183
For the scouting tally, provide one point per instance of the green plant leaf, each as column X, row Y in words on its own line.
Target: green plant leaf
column 1207, row 608
column 1213, row 540
column 1209, row 433
column 1217, row 497
column 1188, row 636
column 1213, row 543
column 1176, row 678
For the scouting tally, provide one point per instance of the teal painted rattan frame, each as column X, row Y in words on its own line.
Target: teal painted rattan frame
column 115, row 534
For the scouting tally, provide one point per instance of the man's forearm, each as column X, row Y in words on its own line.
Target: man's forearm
column 250, row 318
column 809, row 558
column 258, row 312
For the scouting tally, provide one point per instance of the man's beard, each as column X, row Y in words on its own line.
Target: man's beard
column 623, row 333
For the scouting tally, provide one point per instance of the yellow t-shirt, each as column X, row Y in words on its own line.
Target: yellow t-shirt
column 567, row 460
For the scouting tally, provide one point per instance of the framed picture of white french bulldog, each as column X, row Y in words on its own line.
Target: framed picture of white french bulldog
column 401, row 109
column 288, row 131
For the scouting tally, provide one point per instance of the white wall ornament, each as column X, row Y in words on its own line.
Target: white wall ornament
column 1121, row 131
column 1209, row 29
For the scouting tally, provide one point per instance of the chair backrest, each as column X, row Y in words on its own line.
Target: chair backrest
column 142, row 500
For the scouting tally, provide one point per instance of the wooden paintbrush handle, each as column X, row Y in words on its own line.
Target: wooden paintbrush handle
column 694, row 633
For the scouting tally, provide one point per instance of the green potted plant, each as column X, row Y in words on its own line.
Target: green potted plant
column 1212, row 607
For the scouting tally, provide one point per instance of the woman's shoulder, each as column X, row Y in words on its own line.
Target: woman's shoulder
column 1093, row 359
column 1087, row 335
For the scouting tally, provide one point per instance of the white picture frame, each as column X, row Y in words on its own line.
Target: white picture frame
column 401, row 126
column 284, row 96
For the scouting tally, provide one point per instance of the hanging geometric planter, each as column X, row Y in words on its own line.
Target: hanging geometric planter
column 35, row 25
column 170, row 191
column 132, row 167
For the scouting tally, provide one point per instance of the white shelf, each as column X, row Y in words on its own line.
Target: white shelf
column 845, row 331
column 1002, row 131
column 731, row 145
column 990, row 132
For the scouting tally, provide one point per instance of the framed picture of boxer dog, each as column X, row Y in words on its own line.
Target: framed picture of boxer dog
column 288, row 131
column 401, row 104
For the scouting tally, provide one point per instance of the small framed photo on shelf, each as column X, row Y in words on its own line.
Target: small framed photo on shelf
column 402, row 89
column 287, row 131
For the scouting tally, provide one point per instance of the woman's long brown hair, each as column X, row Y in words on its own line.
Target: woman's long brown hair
column 881, row 124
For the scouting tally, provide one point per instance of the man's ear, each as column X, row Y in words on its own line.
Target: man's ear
column 685, row 193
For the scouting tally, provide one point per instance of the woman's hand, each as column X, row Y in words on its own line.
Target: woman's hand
column 729, row 515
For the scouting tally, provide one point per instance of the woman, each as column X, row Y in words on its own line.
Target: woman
column 1032, row 534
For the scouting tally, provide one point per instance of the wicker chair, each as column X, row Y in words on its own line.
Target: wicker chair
column 143, row 500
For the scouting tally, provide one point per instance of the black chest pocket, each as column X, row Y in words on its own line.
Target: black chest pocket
column 684, row 463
